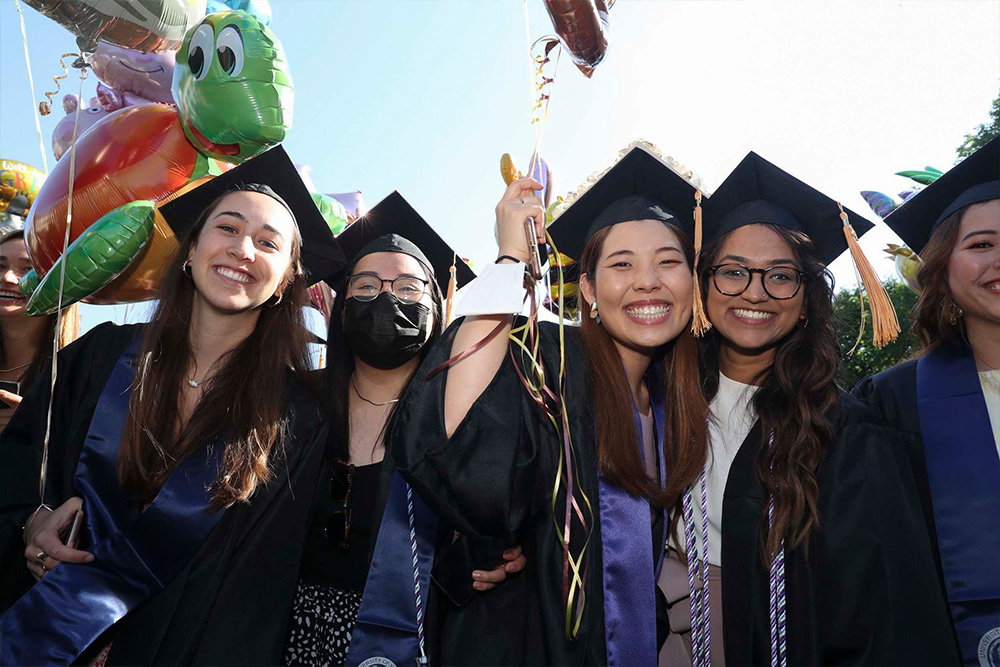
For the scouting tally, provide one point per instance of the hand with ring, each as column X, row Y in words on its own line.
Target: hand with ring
column 44, row 535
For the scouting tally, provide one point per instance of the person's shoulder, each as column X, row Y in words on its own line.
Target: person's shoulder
column 303, row 398
column 904, row 373
column 108, row 333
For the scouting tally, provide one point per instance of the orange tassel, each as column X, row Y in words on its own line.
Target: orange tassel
column 885, row 325
column 450, row 298
column 699, row 320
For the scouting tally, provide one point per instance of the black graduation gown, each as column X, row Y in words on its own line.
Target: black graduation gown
column 893, row 395
column 865, row 591
column 232, row 601
column 493, row 479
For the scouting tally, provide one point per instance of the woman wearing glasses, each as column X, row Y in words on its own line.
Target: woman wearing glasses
column 814, row 526
column 389, row 307
column 25, row 342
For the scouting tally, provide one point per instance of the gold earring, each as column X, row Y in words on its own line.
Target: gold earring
column 594, row 315
column 954, row 313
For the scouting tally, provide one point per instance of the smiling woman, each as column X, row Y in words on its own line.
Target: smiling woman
column 812, row 512
column 945, row 405
column 583, row 481
column 190, row 444
column 25, row 342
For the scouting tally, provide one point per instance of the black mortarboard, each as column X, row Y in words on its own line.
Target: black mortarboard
column 759, row 192
column 393, row 225
column 639, row 187
column 271, row 173
column 976, row 179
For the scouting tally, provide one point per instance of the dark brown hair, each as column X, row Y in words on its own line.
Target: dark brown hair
column 242, row 401
column 796, row 396
column 932, row 312
column 70, row 332
column 685, row 440
column 340, row 364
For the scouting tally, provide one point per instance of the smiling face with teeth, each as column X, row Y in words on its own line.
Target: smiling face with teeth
column 14, row 263
column 243, row 255
column 642, row 285
column 974, row 265
column 752, row 323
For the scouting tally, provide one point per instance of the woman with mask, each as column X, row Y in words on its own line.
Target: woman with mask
column 190, row 444
column 576, row 451
column 945, row 404
column 25, row 342
column 389, row 308
column 813, row 515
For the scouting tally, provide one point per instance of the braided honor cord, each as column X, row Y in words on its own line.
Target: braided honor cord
column 422, row 660
column 701, row 631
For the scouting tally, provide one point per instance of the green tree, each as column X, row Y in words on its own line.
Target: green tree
column 867, row 359
column 982, row 134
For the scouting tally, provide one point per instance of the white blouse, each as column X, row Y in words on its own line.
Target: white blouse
column 990, row 380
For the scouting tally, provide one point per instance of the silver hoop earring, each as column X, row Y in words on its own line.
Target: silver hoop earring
column 186, row 268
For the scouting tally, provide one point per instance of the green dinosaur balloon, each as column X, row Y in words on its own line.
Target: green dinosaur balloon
column 232, row 87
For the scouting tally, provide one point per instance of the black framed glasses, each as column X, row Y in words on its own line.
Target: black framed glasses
column 780, row 282
column 338, row 525
column 367, row 286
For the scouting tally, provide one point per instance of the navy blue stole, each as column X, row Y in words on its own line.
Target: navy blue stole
column 963, row 470
column 629, row 574
column 386, row 631
column 65, row 612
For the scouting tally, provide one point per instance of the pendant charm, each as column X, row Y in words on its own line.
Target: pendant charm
column 194, row 384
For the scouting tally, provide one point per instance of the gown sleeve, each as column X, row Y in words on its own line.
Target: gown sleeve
column 481, row 480
column 881, row 602
column 77, row 390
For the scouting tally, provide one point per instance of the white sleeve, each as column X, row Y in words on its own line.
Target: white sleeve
column 499, row 290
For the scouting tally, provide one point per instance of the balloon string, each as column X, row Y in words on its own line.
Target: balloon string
column 45, row 108
column 544, row 100
column 527, row 44
column 59, row 307
column 31, row 83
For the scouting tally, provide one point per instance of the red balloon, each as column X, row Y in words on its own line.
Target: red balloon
column 582, row 26
column 136, row 153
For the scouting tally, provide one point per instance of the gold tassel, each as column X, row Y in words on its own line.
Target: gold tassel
column 450, row 299
column 699, row 321
column 885, row 325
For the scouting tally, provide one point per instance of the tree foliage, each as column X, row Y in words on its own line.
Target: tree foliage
column 982, row 134
column 867, row 359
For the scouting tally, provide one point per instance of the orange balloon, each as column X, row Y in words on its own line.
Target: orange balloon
column 136, row 153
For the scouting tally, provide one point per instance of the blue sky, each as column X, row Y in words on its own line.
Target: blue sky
column 424, row 96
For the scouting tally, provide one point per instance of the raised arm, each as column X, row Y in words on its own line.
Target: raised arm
column 469, row 378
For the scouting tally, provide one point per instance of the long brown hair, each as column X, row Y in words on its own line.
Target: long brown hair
column 933, row 311
column 69, row 333
column 796, row 396
column 340, row 364
column 241, row 402
column 685, row 440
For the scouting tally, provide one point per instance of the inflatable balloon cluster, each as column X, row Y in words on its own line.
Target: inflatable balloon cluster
column 906, row 261
column 234, row 97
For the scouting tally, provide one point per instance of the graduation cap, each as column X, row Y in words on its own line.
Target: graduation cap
column 976, row 179
column 395, row 226
column 758, row 192
column 640, row 186
column 273, row 174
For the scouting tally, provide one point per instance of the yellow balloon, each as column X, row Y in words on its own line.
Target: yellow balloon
column 18, row 179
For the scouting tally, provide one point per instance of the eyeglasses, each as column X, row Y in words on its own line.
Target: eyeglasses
column 780, row 282
column 367, row 286
column 338, row 526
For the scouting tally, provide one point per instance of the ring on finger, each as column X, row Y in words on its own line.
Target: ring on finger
column 44, row 569
column 41, row 556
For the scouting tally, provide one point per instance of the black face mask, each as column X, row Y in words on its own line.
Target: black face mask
column 385, row 333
